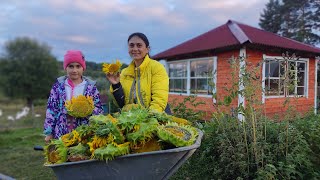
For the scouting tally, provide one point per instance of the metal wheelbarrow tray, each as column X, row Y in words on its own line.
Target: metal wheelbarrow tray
column 148, row 165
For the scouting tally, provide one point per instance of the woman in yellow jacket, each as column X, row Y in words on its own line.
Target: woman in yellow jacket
column 145, row 81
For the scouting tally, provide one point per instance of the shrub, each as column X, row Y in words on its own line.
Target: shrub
column 182, row 111
column 228, row 151
column 254, row 147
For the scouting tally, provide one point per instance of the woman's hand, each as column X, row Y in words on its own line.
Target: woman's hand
column 113, row 78
column 48, row 138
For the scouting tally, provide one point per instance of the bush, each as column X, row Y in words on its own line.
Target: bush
column 231, row 150
column 182, row 111
column 310, row 129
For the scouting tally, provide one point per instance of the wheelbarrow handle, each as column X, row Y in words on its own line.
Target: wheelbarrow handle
column 38, row 148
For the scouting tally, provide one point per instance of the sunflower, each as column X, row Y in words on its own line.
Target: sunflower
column 180, row 120
column 150, row 145
column 98, row 142
column 56, row 152
column 111, row 150
column 178, row 135
column 112, row 119
column 111, row 68
column 71, row 138
column 80, row 106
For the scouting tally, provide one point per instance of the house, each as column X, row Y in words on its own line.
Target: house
column 189, row 65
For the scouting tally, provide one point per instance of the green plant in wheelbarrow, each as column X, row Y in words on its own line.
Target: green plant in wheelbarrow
column 137, row 143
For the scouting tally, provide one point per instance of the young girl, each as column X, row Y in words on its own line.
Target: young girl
column 58, row 122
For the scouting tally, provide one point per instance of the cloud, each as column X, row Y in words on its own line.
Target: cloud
column 80, row 39
column 100, row 28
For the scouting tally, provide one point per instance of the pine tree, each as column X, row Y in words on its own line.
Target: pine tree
column 270, row 19
column 298, row 19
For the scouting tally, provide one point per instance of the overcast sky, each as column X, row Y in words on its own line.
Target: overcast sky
column 100, row 28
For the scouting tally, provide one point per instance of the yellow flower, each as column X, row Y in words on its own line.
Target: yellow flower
column 98, row 142
column 80, row 106
column 111, row 68
column 113, row 120
column 71, row 138
column 180, row 120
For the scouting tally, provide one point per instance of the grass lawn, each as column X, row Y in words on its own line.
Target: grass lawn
column 17, row 139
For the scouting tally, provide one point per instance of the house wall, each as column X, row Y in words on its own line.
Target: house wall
column 270, row 107
column 279, row 106
column 223, row 76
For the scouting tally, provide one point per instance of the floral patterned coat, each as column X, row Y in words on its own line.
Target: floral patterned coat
column 56, row 114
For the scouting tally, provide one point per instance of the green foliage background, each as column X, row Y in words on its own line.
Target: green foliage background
column 295, row 19
column 26, row 69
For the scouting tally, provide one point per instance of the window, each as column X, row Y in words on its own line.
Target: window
column 285, row 78
column 192, row 76
column 178, row 77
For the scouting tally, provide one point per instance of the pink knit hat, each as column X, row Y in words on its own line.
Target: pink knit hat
column 74, row 56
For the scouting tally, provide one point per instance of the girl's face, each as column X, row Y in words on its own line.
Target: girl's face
column 137, row 48
column 74, row 71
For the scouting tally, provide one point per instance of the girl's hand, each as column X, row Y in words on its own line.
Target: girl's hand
column 113, row 78
column 48, row 138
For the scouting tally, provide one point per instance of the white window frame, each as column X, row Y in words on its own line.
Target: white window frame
column 306, row 78
column 317, row 59
column 214, row 58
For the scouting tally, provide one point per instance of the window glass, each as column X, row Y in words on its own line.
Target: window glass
column 199, row 78
column 178, row 69
column 300, row 79
column 274, row 69
column 201, row 86
column 178, row 85
column 275, row 77
column 201, row 68
column 300, row 90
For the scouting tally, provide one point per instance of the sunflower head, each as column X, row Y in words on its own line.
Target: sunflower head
column 55, row 152
column 112, row 68
column 111, row 150
column 80, row 106
column 151, row 145
column 177, row 134
column 71, row 138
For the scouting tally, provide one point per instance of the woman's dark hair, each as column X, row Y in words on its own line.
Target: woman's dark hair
column 141, row 36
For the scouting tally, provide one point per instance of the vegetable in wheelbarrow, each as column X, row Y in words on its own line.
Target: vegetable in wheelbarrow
column 134, row 130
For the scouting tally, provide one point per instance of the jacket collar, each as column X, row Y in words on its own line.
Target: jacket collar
column 63, row 78
column 142, row 66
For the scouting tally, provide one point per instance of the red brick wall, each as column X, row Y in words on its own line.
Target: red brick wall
column 271, row 106
column 207, row 108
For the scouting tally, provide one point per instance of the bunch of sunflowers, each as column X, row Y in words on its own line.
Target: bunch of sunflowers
column 134, row 130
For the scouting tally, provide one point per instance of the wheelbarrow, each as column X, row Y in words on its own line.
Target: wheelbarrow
column 148, row 165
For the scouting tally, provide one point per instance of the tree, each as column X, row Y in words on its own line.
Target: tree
column 299, row 21
column 270, row 19
column 295, row 19
column 27, row 70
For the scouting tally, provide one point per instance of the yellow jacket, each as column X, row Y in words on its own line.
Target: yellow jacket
column 147, row 85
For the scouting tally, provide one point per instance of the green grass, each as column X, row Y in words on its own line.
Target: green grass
column 17, row 139
column 18, row 159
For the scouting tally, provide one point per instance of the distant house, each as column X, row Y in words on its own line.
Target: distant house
column 188, row 65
